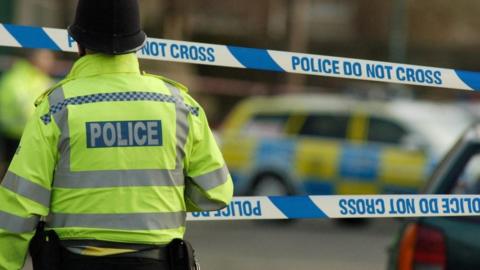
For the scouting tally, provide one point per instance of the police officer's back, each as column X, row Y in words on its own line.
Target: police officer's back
column 112, row 156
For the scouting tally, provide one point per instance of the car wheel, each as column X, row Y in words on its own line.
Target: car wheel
column 270, row 185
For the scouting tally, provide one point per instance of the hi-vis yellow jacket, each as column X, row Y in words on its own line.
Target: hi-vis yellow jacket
column 114, row 155
column 18, row 89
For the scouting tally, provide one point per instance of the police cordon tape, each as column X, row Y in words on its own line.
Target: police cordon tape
column 354, row 206
column 258, row 59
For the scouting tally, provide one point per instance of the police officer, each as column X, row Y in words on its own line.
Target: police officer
column 19, row 87
column 114, row 158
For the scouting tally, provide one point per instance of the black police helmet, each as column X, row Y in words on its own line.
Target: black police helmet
column 108, row 26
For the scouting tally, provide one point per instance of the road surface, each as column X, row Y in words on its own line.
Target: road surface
column 316, row 244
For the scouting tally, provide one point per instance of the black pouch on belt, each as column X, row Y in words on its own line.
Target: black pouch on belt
column 45, row 249
column 182, row 255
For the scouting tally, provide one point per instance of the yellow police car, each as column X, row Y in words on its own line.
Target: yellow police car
column 325, row 144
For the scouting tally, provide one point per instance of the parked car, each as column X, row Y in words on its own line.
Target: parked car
column 447, row 242
column 325, row 144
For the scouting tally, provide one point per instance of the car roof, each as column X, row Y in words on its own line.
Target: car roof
column 311, row 103
column 331, row 103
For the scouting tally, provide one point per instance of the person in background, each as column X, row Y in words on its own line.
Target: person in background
column 19, row 88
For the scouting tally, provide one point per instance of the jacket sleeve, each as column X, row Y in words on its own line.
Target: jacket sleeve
column 25, row 190
column 208, row 183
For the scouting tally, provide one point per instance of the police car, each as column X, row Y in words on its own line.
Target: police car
column 325, row 144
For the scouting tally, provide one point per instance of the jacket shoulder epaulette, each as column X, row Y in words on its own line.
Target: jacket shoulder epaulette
column 167, row 80
column 50, row 90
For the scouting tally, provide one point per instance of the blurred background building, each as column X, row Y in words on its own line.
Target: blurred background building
column 424, row 33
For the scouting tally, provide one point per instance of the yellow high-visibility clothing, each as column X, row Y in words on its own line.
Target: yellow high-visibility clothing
column 19, row 88
column 111, row 154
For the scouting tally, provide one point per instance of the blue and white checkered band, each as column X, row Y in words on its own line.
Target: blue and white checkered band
column 113, row 97
column 193, row 110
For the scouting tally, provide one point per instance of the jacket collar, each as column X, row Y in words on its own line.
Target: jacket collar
column 98, row 64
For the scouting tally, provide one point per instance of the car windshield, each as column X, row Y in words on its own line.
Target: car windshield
column 469, row 180
column 266, row 125
column 459, row 170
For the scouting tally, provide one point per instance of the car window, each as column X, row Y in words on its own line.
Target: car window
column 385, row 131
column 469, row 180
column 436, row 181
column 326, row 125
column 266, row 125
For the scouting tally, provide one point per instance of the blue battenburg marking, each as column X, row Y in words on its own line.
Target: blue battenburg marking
column 472, row 79
column 360, row 162
column 275, row 153
column 399, row 190
column 32, row 37
column 255, row 58
column 316, row 187
column 124, row 134
column 297, row 207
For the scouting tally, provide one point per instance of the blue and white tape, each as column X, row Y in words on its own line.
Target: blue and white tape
column 258, row 59
column 371, row 206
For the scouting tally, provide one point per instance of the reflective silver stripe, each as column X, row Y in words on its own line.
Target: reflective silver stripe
column 212, row 179
column 123, row 178
column 134, row 221
column 16, row 224
column 182, row 128
column 199, row 198
column 61, row 118
column 27, row 189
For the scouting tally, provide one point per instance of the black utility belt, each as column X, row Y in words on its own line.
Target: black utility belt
column 46, row 249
